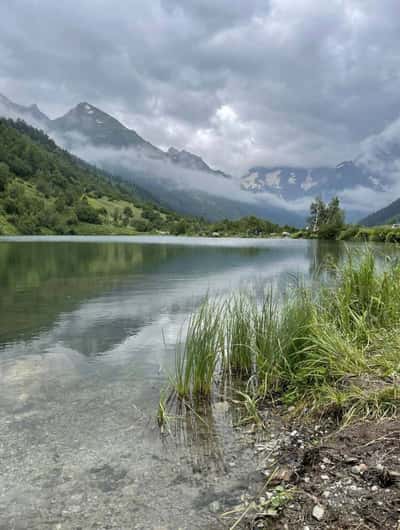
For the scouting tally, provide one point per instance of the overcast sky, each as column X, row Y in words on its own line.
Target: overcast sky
column 240, row 82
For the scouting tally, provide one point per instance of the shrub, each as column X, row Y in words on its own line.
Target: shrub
column 393, row 237
column 349, row 233
column 86, row 213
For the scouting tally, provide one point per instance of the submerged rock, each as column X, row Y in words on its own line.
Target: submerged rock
column 214, row 507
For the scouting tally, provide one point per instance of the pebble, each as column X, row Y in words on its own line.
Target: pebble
column 214, row 507
column 318, row 512
column 359, row 469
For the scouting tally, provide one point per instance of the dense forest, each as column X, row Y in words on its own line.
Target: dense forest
column 46, row 190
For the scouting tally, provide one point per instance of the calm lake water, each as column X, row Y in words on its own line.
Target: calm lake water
column 87, row 334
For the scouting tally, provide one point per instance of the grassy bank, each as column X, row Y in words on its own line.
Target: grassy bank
column 380, row 234
column 332, row 351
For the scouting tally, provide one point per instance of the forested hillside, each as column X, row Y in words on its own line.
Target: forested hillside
column 44, row 189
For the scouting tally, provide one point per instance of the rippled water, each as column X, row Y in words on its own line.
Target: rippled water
column 87, row 334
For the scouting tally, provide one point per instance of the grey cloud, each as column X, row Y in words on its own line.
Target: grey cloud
column 240, row 82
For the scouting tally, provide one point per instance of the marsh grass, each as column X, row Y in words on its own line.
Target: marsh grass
column 334, row 349
column 197, row 357
column 238, row 331
column 249, row 404
column 163, row 418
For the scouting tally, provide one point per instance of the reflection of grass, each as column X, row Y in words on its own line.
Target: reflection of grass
column 57, row 277
column 334, row 350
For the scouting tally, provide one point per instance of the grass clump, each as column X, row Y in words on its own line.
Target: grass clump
column 332, row 350
column 238, row 359
column 196, row 359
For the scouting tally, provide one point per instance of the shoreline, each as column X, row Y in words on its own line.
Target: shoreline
column 322, row 476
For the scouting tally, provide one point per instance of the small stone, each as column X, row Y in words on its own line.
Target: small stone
column 374, row 488
column 318, row 512
column 326, row 460
column 214, row 507
column 325, row 477
column 359, row 469
column 283, row 474
column 350, row 460
column 326, row 494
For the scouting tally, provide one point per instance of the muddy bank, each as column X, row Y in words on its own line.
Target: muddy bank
column 319, row 477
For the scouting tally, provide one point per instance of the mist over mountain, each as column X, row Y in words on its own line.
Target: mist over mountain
column 176, row 178
column 185, row 182
column 31, row 114
column 292, row 183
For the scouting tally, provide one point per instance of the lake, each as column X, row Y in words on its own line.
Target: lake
column 88, row 330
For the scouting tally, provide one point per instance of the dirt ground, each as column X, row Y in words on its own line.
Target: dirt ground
column 324, row 478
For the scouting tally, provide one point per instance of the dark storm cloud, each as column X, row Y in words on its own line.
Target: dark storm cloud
column 241, row 82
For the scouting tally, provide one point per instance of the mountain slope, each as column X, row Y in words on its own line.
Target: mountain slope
column 100, row 129
column 292, row 183
column 388, row 215
column 89, row 124
column 31, row 114
column 188, row 160
column 44, row 189
column 177, row 179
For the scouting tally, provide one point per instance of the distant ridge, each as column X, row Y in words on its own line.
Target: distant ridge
column 138, row 161
column 388, row 215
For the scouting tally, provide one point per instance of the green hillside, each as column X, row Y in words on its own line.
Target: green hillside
column 386, row 216
column 46, row 190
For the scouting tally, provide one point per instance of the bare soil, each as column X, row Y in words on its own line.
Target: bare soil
column 336, row 479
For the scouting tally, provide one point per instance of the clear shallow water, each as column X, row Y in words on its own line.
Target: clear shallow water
column 87, row 334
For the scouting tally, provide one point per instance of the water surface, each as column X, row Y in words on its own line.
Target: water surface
column 87, row 333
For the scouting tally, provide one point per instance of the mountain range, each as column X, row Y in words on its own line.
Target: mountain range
column 292, row 183
column 86, row 123
column 183, row 181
